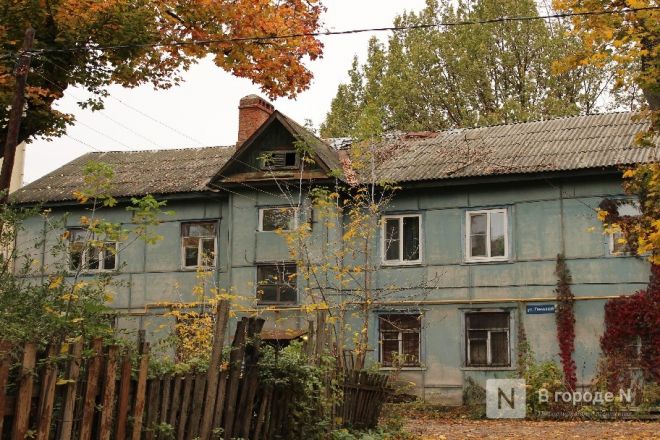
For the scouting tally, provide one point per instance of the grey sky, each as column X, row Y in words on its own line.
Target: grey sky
column 204, row 108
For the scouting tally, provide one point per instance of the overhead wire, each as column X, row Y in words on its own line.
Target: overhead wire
column 266, row 38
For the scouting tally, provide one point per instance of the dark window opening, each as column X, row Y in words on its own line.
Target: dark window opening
column 276, row 284
column 399, row 337
column 487, row 339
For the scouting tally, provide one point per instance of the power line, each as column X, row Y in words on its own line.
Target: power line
column 267, row 38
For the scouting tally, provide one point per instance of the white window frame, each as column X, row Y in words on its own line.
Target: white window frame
column 468, row 233
column 200, row 246
column 263, row 165
column 261, row 216
column 383, row 246
column 84, row 255
column 612, row 238
column 489, row 355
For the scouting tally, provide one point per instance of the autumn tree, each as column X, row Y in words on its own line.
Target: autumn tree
column 433, row 78
column 96, row 43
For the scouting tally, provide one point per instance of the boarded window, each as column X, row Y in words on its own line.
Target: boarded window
column 399, row 338
column 401, row 238
column 88, row 253
column 487, row 339
column 276, row 284
column 274, row 219
column 198, row 242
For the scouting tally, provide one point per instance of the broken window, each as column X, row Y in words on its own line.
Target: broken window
column 88, row 253
column 274, row 219
column 279, row 159
column 486, row 235
column 198, row 243
column 401, row 238
column 276, row 283
column 399, row 339
column 487, row 339
column 618, row 242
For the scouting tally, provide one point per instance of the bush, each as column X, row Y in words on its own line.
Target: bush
column 474, row 398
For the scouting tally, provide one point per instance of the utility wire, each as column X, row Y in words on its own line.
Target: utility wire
column 267, row 38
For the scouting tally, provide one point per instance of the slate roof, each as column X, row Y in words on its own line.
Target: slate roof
column 562, row 144
column 172, row 171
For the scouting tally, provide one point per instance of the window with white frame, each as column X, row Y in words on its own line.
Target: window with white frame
column 487, row 339
column 276, row 283
column 401, row 242
column 278, row 218
column 285, row 159
column 618, row 243
column 198, row 244
column 486, row 235
column 88, row 253
column 399, row 339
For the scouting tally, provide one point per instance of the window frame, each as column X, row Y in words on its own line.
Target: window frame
column 265, row 167
column 466, row 341
column 383, row 238
column 296, row 211
column 611, row 236
column 278, row 302
column 419, row 317
column 84, row 253
column 468, row 232
column 200, row 253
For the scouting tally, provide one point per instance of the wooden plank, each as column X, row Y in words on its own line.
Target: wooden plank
column 213, row 373
column 185, row 407
column 152, row 407
column 309, row 342
column 235, row 366
column 197, row 403
column 24, row 396
column 164, row 401
column 5, row 363
column 48, row 395
column 108, row 400
column 176, row 401
column 251, row 379
column 140, row 391
column 320, row 334
column 91, row 390
column 261, row 415
column 220, row 399
column 69, row 405
column 124, row 394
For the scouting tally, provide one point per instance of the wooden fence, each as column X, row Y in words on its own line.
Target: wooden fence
column 100, row 396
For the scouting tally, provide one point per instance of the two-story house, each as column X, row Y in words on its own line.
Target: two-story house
column 483, row 212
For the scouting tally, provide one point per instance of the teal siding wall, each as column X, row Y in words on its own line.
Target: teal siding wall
column 546, row 217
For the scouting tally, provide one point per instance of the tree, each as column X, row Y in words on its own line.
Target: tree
column 96, row 43
column 433, row 78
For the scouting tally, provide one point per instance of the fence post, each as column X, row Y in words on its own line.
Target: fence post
column 108, row 401
column 4, row 377
column 48, row 394
column 71, row 388
column 250, row 379
column 213, row 374
column 122, row 400
column 89, row 406
column 24, row 398
column 138, row 409
column 185, row 406
column 235, row 366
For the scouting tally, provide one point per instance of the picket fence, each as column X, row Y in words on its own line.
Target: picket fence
column 99, row 396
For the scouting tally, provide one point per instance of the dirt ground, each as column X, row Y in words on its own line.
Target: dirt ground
column 458, row 429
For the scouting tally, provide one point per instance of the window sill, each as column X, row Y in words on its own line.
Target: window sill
column 488, row 368
column 402, row 369
column 196, row 268
column 278, row 305
column 489, row 261
column 401, row 263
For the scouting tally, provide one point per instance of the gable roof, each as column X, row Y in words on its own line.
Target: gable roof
column 562, row 144
column 137, row 173
column 569, row 143
column 325, row 155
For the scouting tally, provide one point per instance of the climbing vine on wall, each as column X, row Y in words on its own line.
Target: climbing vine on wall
column 565, row 321
column 632, row 335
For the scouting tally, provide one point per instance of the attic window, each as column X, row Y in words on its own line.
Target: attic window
column 279, row 160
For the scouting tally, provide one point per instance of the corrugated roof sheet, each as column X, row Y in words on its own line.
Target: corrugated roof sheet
column 571, row 143
column 136, row 173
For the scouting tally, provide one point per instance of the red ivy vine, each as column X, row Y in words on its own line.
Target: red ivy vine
column 631, row 321
column 565, row 322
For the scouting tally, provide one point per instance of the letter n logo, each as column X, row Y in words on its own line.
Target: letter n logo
column 506, row 398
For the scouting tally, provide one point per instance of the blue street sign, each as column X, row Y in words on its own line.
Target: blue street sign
column 540, row 309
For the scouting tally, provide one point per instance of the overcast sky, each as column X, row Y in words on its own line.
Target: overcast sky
column 204, row 110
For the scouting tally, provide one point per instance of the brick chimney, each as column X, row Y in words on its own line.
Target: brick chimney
column 253, row 111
